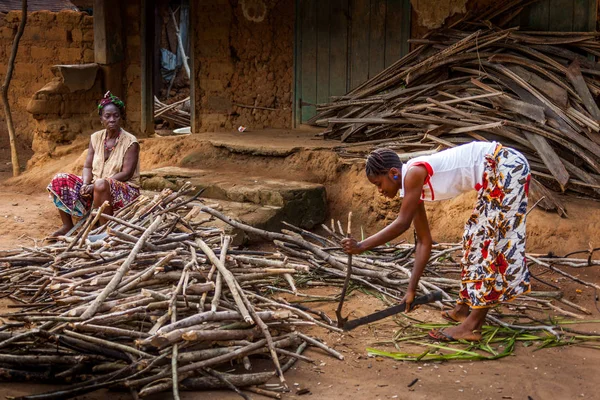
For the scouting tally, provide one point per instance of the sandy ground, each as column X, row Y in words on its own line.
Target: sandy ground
column 27, row 215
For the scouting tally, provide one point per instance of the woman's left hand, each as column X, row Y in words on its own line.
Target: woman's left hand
column 86, row 190
column 351, row 246
column 408, row 299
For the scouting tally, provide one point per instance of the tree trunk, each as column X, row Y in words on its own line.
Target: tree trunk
column 11, row 65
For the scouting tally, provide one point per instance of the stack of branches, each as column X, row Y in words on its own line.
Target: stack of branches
column 157, row 300
column 152, row 302
column 176, row 113
column 386, row 271
column 533, row 91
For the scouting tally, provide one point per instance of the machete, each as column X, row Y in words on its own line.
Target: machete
column 428, row 298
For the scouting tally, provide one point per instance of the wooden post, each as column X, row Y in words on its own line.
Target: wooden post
column 147, row 61
column 195, row 103
column 108, row 44
column 14, row 157
column 108, row 35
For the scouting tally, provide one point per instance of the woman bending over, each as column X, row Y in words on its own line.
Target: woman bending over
column 493, row 266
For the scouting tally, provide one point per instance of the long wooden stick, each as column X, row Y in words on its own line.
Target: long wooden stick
column 91, row 225
column 14, row 156
column 228, row 277
column 180, row 43
column 219, row 281
column 338, row 312
column 121, row 271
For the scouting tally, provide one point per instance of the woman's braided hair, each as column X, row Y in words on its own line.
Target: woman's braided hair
column 380, row 161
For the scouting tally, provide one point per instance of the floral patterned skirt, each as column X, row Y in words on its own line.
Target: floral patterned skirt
column 64, row 192
column 494, row 267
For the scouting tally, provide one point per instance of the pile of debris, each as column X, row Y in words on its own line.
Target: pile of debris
column 533, row 91
column 177, row 113
column 157, row 300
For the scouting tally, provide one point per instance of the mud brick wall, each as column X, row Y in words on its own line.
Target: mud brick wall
column 432, row 14
column 61, row 114
column 49, row 39
column 243, row 58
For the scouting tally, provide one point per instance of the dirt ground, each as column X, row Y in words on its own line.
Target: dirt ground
column 26, row 216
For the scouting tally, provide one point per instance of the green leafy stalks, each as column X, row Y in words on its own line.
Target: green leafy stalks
column 496, row 342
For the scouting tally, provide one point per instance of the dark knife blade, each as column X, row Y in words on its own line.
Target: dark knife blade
column 428, row 298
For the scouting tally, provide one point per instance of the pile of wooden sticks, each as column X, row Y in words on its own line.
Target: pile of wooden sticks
column 176, row 113
column 157, row 300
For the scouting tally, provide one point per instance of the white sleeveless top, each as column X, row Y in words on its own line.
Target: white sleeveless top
column 453, row 171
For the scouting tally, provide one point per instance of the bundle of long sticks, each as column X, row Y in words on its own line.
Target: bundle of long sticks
column 149, row 303
column 157, row 300
column 174, row 113
column 533, row 91
column 386, row 272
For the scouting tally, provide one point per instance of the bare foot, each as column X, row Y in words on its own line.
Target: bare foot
column 455, row 333
column 458, row 314
column 62, row 231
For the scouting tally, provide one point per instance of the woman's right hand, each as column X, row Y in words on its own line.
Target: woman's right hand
column 87, row 190
column 351, row 246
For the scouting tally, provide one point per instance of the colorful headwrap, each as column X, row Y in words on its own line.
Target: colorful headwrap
column 109, row 98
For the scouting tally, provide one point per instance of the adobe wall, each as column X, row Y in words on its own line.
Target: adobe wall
column 49, row 39
column 433, row 14
column 243, row 52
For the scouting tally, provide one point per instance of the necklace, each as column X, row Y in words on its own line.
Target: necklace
column 108, row 148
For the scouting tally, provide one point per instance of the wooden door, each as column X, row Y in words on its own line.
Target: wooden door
column 342, row 43
column 560, row 16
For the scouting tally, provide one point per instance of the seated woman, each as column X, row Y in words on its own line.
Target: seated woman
column 110, row 173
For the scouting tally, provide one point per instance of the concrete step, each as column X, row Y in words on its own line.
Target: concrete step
column 260, row 201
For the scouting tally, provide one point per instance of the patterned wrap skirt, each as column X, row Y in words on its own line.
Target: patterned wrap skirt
column 64, row 192
column 494, row 267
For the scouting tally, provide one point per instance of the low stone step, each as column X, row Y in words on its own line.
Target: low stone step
column 300, row 203
column 262, row 217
